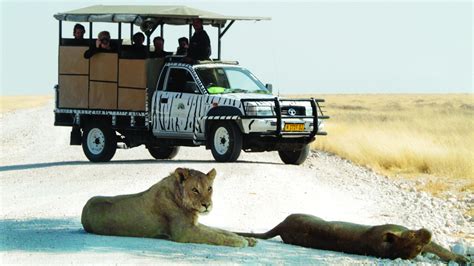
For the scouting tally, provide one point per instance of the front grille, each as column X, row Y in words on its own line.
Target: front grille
column 299, row 110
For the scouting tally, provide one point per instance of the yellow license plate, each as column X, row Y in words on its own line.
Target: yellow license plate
column 293, row 127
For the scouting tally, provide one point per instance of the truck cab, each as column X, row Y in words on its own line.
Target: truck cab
column 114, row 100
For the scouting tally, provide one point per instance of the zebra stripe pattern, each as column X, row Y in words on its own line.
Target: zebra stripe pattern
column 229, row 117
column 197, row 127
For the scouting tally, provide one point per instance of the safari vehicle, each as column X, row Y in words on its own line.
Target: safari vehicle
column 114, row 100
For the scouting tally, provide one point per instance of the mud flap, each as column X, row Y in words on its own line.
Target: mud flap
column 76, row 136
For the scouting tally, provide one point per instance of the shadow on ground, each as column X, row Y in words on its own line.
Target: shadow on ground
column 117, row 162
column 67, row 236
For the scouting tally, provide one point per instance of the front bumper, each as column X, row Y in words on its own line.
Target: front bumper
column 268, row 126
column 275, row 125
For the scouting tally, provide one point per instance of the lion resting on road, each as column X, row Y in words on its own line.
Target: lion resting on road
column 383, row 241
column 168, row 210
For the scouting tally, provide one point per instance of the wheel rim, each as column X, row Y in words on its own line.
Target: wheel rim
column 221, row 140
column 96, row 141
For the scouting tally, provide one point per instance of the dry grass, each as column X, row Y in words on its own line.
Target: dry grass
column 12, row 103
column 403, row 134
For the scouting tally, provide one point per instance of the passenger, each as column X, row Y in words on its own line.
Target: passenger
column 102, row 45
column 138, row 49
column 159, row 42
column 200, row 45
column 138, row 39
column 183, row 46
column 79, row 32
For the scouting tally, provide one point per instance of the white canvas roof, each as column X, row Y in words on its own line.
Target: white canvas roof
column 166, row 14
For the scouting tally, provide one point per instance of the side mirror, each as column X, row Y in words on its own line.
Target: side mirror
column 269, row 87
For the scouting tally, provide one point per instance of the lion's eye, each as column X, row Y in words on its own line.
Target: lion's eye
column 209, row 189
column 195, row 190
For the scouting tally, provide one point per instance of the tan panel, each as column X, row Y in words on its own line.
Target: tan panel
column 153, row 69
column 104, row 67
column 131, row 99
column 73, row 91
column 132, row 73
column 72, row 61
column 103, row 95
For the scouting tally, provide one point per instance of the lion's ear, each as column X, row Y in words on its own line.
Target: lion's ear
column 181, row 174
column 390, row 237
column 212, row 174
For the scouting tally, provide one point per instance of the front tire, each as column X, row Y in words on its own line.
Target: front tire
column 226, row 142
column 99, row 142
column 161, row 153
column 296, row 157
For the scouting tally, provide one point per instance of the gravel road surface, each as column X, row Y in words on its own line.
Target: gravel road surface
column 45, row 183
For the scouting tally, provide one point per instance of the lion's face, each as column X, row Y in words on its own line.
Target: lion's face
column 196, row 189
column 407, row 244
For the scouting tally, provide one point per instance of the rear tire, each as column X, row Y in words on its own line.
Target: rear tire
column 162, row 153
column 226, row 142
column 296, row 157
column 99, row 142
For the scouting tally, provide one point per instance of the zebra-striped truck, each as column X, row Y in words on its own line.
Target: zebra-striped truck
column 118, row 98
column 220, row 105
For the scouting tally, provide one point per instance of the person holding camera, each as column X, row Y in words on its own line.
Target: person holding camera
column 102, row 45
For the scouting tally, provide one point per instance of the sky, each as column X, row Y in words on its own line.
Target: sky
column 307, row 47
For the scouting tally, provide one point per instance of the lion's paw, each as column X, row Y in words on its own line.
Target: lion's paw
column 462, row 260
column 251, row 241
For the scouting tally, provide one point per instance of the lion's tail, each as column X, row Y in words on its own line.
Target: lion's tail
column 272, row 233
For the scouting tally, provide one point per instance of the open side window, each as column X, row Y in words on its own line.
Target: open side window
column 181, row 80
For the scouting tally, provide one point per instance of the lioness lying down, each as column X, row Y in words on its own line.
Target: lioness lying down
column 383, row 241
column 168, row 209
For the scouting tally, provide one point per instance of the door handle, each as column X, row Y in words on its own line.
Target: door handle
column 164, row 100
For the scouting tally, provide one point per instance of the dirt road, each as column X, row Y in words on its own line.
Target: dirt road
column 45, row 183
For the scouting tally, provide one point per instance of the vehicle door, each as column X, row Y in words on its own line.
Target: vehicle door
column 177, row 104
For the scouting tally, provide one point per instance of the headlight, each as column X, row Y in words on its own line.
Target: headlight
column 308, row 111
column 260, row 111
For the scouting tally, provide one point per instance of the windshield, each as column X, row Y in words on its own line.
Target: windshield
column 230, row 80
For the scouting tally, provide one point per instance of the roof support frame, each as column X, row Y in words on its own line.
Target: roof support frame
column 60, row 31
column 220, row 34
column 219, row 42
column 226, row 28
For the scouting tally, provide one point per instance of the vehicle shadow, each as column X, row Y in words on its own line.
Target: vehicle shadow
column 117, row 162
column 65, row 235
